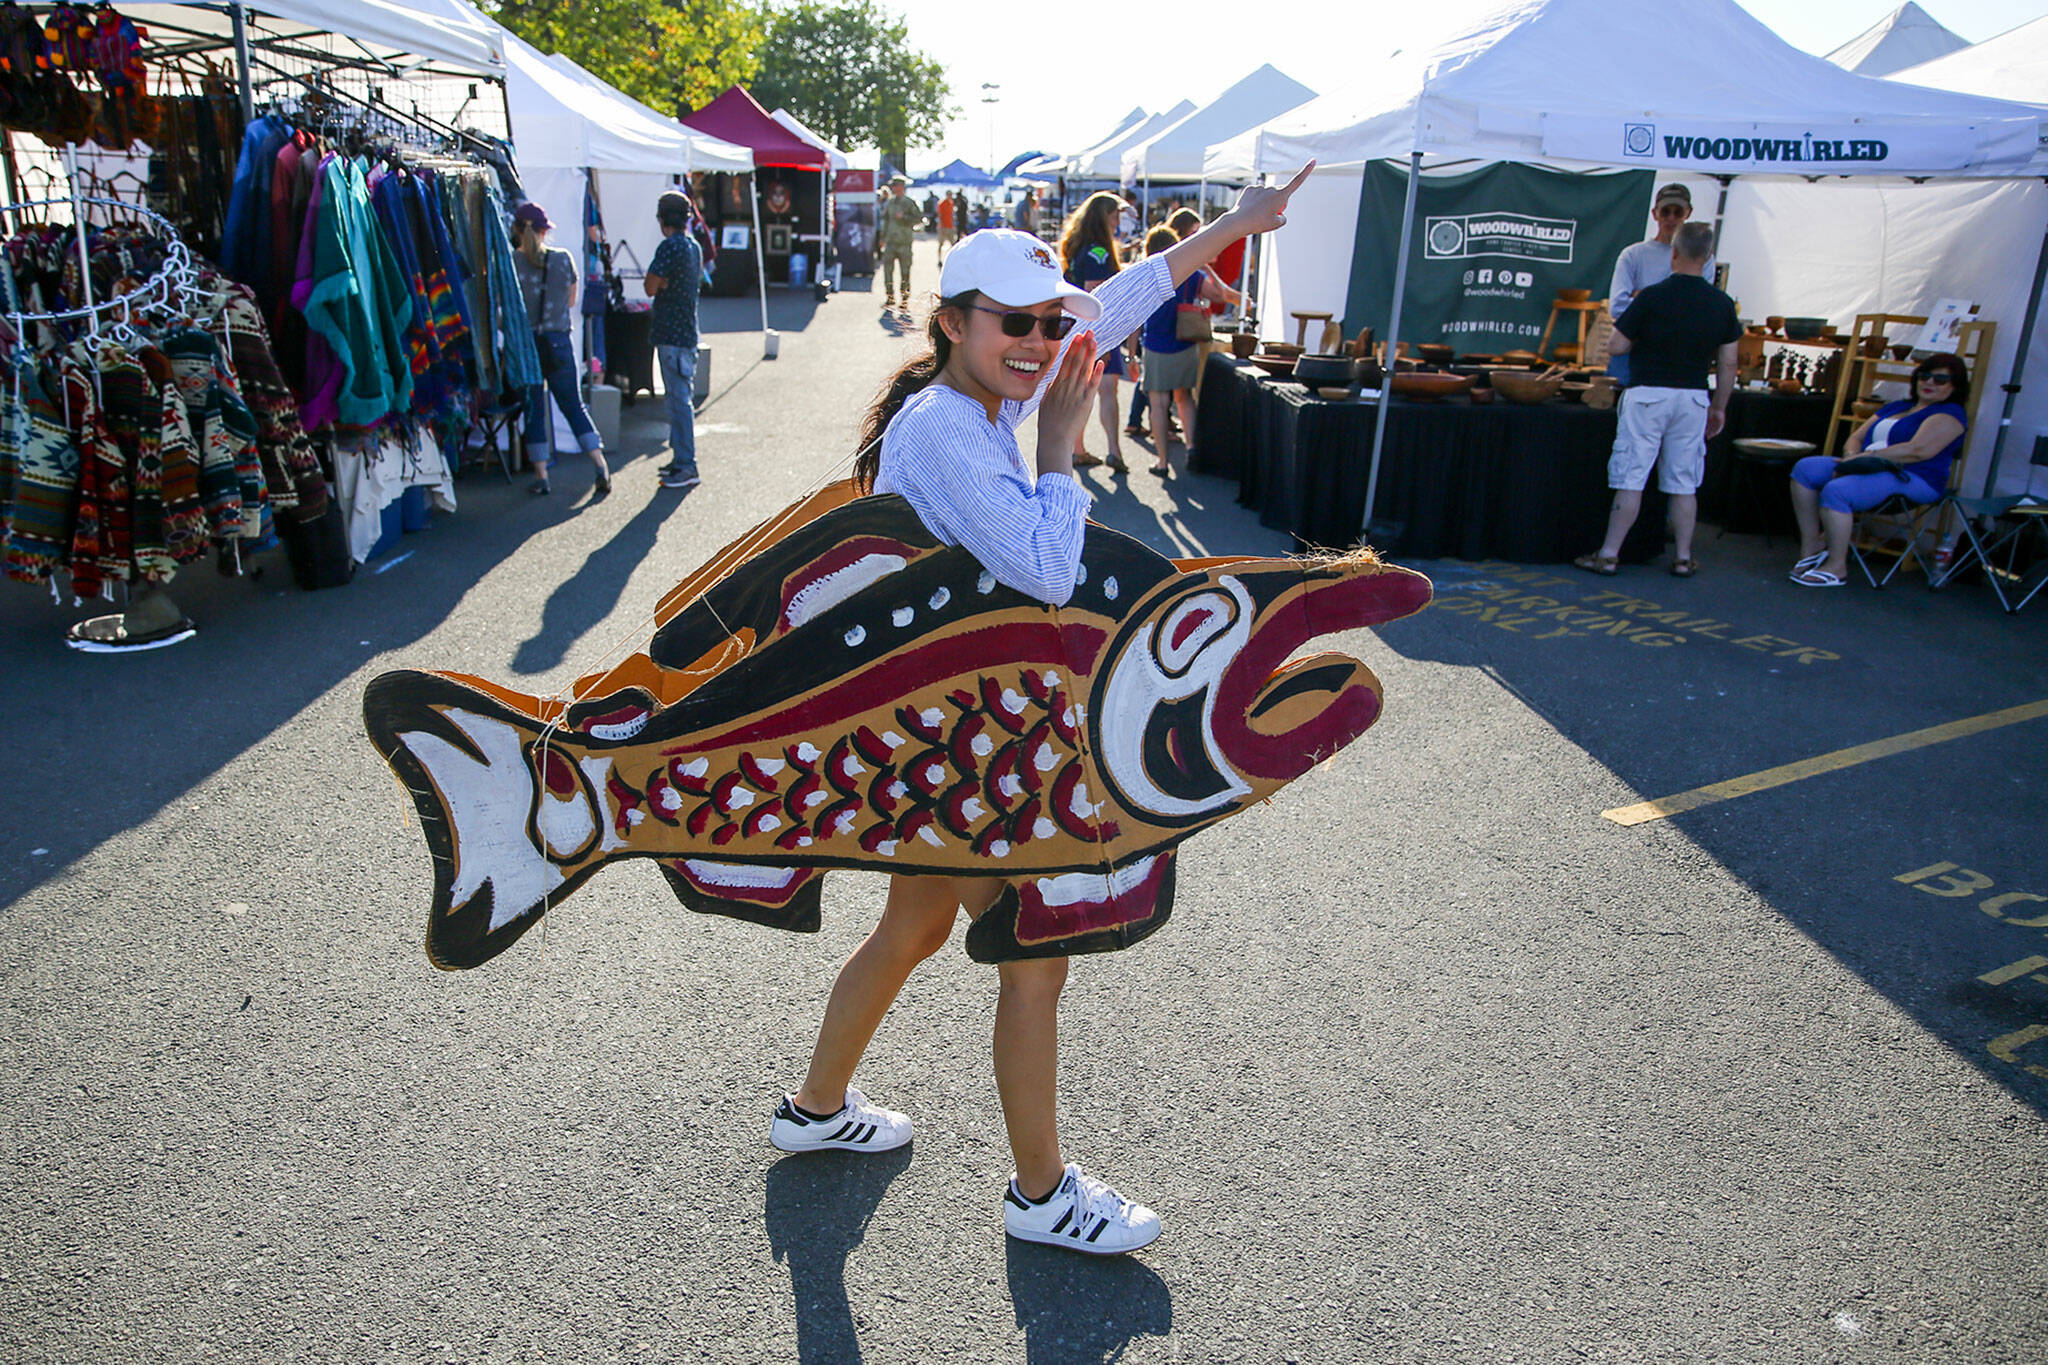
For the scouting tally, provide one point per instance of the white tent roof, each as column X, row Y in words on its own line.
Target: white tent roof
column 558, row 120
column 1906, row 37
column 705, row 153
column 1104, row 161
column 1128, row 123
column 449, row 33
column 2012, row 66
column 838, row 159
column 1685, row 84
column 1176, row 151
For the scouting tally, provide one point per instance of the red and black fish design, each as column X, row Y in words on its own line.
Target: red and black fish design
column 858, row 694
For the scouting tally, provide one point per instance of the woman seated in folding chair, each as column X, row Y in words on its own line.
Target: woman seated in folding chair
column 1906, row 449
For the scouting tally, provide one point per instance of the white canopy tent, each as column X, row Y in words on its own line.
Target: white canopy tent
column 627, row 195
column 1104, row 161
column 1697, row 86
column 1906, row 37
column 1176, row 151
column 449, row 33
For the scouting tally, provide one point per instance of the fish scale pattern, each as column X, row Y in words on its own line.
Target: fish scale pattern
column 990, row 766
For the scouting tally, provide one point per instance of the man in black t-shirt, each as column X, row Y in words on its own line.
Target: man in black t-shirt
column 1674, row 333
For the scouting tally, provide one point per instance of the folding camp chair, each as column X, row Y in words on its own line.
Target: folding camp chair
column 1916, row 514
column 2013, row 518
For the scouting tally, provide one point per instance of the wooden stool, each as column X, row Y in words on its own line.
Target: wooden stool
column 1303, row 320
column 1584, row 310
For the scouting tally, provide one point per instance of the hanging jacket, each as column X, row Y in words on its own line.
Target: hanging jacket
column 40, row 513
column 521, row 361
column 358, row 300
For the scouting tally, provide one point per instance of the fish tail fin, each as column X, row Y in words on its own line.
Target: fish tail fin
column 1076, row 912
column 779, row 897
column 506, row 844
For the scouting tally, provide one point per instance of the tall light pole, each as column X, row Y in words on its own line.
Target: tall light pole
column 991, row 95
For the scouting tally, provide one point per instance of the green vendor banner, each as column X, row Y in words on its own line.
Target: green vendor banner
column 1491, row 249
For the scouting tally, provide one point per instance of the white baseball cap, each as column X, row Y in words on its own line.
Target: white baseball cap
column 1014, row 269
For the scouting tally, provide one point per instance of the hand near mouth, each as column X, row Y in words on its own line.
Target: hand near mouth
column 1063, row 412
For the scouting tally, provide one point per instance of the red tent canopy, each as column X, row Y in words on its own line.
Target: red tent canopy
column 736, row 116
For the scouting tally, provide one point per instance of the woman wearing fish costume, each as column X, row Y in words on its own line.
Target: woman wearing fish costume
column 956, row 679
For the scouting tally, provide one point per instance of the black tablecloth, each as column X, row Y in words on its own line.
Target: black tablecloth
column 1458, row 479
column 1748, row 496
column 629, row 349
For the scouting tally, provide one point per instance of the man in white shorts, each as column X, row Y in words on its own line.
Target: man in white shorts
column 1674, row 332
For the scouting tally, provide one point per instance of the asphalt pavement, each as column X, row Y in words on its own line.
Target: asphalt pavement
column 1436, row 1061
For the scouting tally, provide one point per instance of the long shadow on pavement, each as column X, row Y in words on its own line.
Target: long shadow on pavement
column 588, row 595
column 1077, row 1308
column 818, row 1208
column 1924, row 871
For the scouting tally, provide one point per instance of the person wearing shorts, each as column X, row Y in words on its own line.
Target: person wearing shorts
column 1172, row 365
column 1674, row 333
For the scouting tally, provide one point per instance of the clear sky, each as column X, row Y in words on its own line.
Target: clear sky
column 1070, row 69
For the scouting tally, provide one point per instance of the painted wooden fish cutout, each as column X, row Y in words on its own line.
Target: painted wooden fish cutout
column 842, row 689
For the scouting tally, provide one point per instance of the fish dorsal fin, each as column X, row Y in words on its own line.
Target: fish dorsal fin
column 811, row 567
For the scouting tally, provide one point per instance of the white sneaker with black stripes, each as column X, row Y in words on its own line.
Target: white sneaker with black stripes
column 1082, row 1214
column 860, row 1126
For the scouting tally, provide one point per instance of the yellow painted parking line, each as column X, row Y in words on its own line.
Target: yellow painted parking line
column 1645, row 811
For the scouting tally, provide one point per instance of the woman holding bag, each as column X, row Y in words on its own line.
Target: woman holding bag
column 1173, row 359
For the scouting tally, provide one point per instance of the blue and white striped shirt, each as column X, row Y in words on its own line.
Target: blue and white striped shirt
column 968, row 481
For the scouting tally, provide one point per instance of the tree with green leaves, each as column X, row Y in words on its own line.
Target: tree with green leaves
column 673, row 55
column 848, row 71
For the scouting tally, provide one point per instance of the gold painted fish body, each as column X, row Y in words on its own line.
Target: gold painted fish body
column 855, row 693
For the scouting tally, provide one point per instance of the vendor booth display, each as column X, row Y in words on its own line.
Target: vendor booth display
column 841, row 690
column 1699, row 87
column 787, row 165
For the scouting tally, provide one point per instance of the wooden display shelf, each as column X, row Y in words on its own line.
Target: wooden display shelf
column 1861, row 371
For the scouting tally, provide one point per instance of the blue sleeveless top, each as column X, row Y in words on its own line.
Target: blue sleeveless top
column 1934, row 470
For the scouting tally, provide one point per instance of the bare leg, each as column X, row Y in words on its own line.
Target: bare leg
column 1627, row 503
column 915, row 924
column 1027, row 1058
column 1837, row 526
column 1806, row 509
column 1161, row 443
column 1685, row 514
column 1107, row 412
column 1184, row 400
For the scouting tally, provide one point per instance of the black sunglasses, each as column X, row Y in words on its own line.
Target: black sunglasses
column 1019, row 324
column 1938, row 376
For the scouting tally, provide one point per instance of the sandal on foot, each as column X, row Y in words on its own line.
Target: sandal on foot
column 1684, row 568
column 1604, row 565
column 1084, row 460
column 540, row 490
column 1162, row 470
column 1812, row 561
column 1116, row 463
column 1819, row 578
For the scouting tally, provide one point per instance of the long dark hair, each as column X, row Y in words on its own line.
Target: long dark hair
column 1093, row 224
column 897, row 388
column 1951, row 364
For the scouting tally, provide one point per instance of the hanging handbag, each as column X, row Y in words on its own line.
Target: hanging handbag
column 1191, row 322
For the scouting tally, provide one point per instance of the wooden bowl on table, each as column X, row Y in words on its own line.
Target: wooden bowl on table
column 1278, row 366
column 1286, row 348
column 1526, row 359
column 1433, row 353
column 1316, row 370
column 1243, row 344
column 1519, row 386
column 1574, row 296
column 1423, row 387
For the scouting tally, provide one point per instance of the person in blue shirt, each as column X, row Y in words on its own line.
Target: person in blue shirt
column 673, row 278
column 1907, row 448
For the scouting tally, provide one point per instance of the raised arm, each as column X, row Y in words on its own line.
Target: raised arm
column 1261, row 208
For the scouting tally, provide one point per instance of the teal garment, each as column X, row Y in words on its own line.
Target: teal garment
column 515, row 330
column 359, row 299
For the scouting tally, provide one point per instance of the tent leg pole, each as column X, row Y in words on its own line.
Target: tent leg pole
column 1393, row 342
column 244, row 90
column 768, row 344
column 2019, row 368
column 1720, row 211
